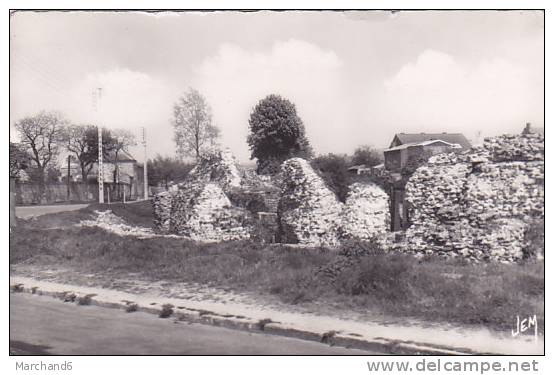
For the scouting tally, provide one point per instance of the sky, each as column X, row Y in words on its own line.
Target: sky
column 356, row 78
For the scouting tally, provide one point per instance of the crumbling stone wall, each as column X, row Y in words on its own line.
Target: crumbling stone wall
column 203, row 212
column 478, row 204
column 366, row 212
column 199, row 207
column 219, row 167
column 310, row 213
column 219, row 202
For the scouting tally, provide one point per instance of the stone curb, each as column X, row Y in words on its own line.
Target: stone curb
column 244, row 323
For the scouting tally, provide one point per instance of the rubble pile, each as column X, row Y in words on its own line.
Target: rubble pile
column 366, row 212
column 478, row 204
column 110, row 222
column 309, row 213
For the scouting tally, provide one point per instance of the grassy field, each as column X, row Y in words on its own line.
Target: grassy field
column 393, row 284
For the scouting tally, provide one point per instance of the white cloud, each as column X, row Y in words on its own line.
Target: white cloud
column 235, row 79
column 130, row 100
column 443, row 94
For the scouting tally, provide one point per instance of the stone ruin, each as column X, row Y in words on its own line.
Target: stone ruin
column 199, row 207
column 310, row 214
column 219, row 202
column 478, row 204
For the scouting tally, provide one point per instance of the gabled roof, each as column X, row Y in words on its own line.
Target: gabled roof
column 356, row 167
column 424, row 143
column 458, row 138
column 122, row 155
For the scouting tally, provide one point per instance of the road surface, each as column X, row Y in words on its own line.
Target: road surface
column 25, row 212
column 41, row 325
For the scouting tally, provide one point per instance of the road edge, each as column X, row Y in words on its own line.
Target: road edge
column 268, row 326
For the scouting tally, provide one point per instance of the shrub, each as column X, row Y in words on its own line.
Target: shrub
column 85, row 300
column 380, row 279
column 334, row 171
column 131, row 307
column 167, row 311
column 17, row 288
column 367, row 156
column 534, row 240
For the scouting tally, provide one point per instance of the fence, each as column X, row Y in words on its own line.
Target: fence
column 29, row 193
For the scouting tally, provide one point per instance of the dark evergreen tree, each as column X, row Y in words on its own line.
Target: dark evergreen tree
column 276, row 134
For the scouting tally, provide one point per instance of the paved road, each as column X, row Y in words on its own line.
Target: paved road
column 25, row 212
column 43, row 325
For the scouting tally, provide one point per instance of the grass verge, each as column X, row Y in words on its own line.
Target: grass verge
column 432, row 289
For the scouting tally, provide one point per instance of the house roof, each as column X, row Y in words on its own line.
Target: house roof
column 452, row 138
column 424, row 143
column 122, row 155
column 356, row 167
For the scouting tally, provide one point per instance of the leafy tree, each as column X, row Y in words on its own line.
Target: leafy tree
column 194, row 131
column 276, row 133
column 333, row 169
column 163, row 170
column 367, row 155
column 82, row 141
column 41, row 137
column 19, row 160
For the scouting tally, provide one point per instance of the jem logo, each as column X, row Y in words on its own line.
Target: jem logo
column 526, row 324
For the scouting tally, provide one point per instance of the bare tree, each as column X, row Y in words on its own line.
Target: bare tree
column 122, row 140
column 194, row 131
column 41, row 136
column 82, row 141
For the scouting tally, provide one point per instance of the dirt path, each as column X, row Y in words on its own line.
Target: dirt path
column 25, row 212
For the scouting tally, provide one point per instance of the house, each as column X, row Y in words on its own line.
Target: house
column 407, row 148
column 359, row 169
column 122, row 175
column 405, row 138
column 405, row 154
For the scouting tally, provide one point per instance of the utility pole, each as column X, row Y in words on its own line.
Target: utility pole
column 96, row 96
column 145, row 166
column 68, row 175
